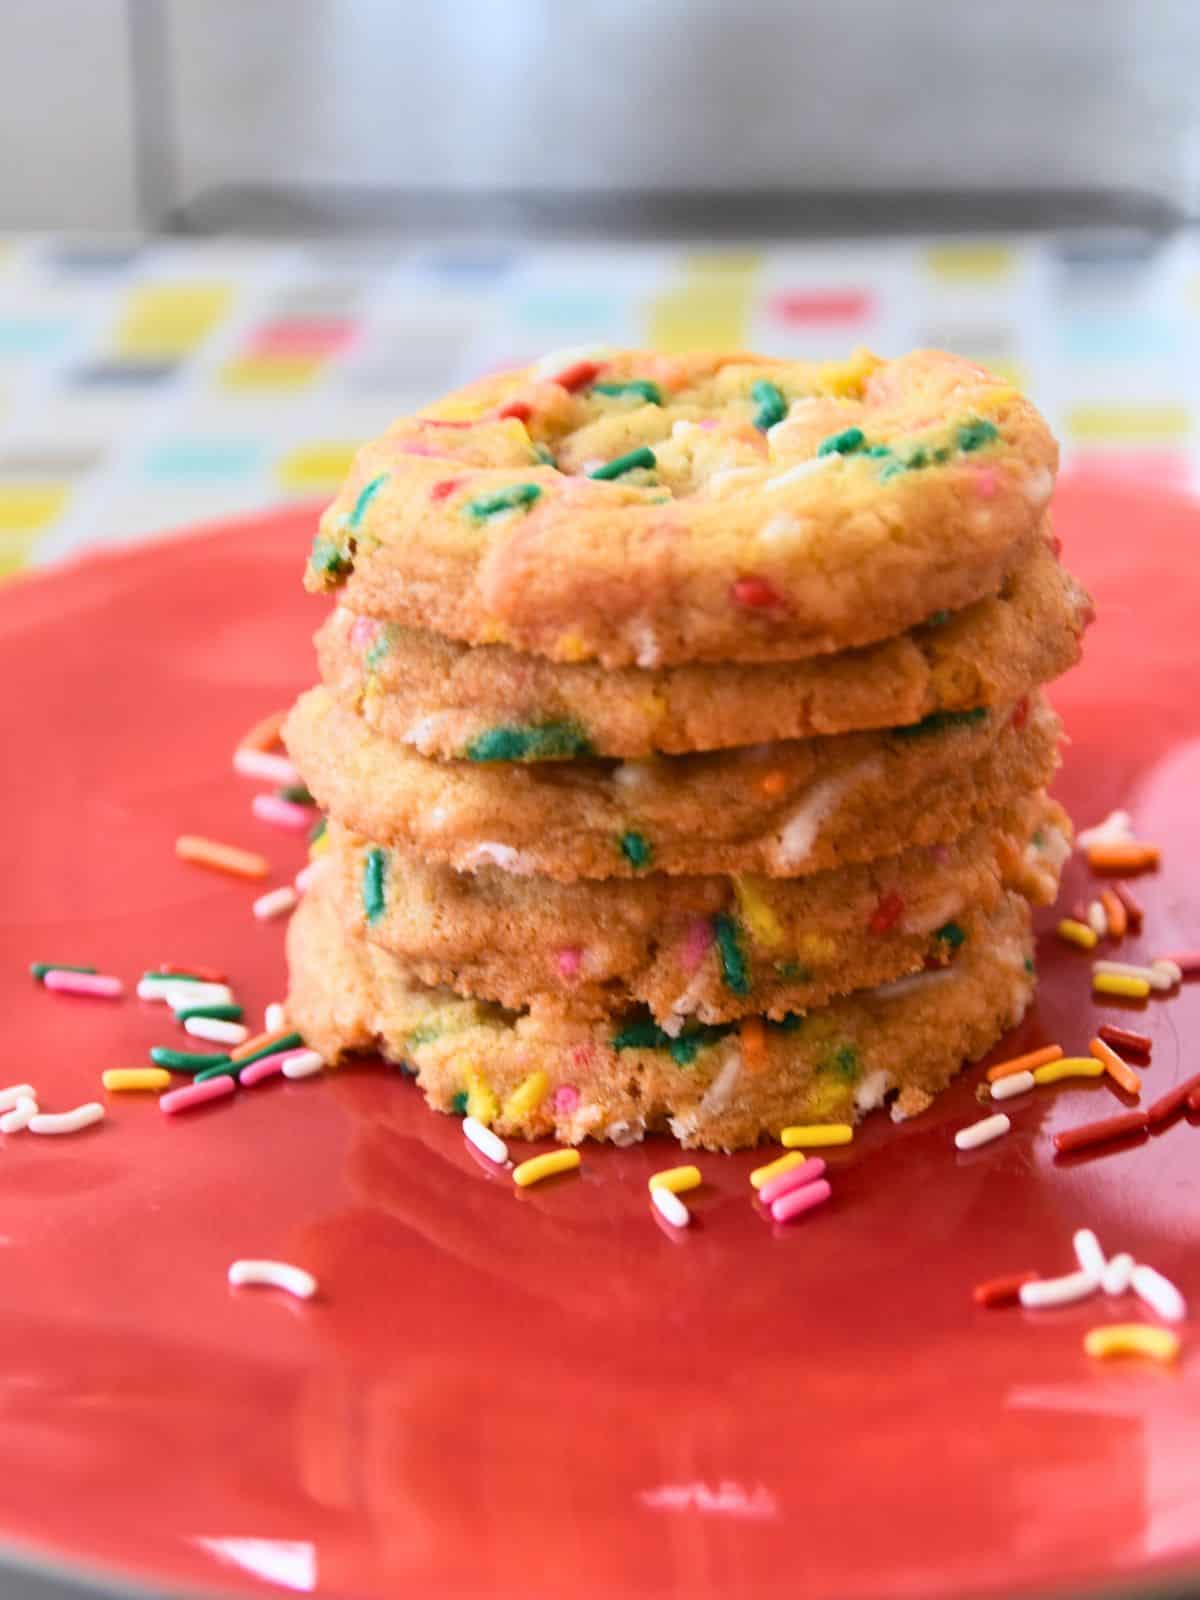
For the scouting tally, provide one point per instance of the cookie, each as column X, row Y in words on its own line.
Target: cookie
column 782, row 809
column 490, row 703
column 707, row 947
column 646, row 510
column 533, row 1072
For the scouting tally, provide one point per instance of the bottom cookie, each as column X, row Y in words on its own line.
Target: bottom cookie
column 533, row 1074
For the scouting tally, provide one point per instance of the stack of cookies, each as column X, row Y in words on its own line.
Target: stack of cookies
column 682, row 744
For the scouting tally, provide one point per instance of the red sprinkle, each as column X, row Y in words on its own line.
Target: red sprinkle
column 1020, row 714
column 1090, row 1133
column 1188, row 961
column 887, row 913
column 1125, row 1037
column 442, row 422
column 1171, row 1103
column 1194, row 1100
column 1002, row 1291
column 520, row 409
column 442, row 491
column 207, row 974
column 756, row 593
column 1133, row 910
column 575, row 376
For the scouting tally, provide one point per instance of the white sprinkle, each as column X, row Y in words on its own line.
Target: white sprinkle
column 304, row 878
column 15, row 1093
column 982, row 1132
column 273, row 1017
column 485, row 1141
column 67, row 1121
column 1169, row 970
column 20, row 1116
column 275, row 903
column 489, row 854
column 872, row 1089
column 1097, row 919
column 1088, row 1253
column 183, row 991
column 1116, row 827
column 1159, row 1293
column 1117, row 1274
column 782, row 529
column 273, row 1275
column 216, row 1031
column 423, row 733
column 1038, row 486
column 732, row 475
column 800, row 831
column 304, row 1064
column 556, row 361
column 1059, row 1291
column 646, row 645
column 1157, row 979
column 720, row 1091
column 262, row 764
column 670, row 1208
column 802, row 469
column 899, row 987
column 1016, row 1083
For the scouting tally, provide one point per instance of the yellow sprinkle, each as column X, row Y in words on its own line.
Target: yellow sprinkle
column 993, row 399
column 676, row 1179
column 454, row 411
column 816, row 1134
column 493, row 632
column 481, row 1101
column 1113, row 983
column 319, row 846
column 539, row 1167
column 570, row 647
column 526, row 1097
column 816, row 947
column 1132, row 1339
column 777, row 1168
column 1077, row 933
column 847, row 377
column 136, row 1078
column 1069, row 1067
column 756, row 913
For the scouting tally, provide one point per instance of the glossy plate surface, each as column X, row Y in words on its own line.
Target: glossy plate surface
column 537, row 1393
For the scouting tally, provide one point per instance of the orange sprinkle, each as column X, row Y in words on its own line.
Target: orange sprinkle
column 1131, row 856
column 753, row 1036
column 772, row 784
column 1119, row 1071
column 1118, row 917
column 264, row 735
column 259, row 1042
column 1035, row 1058
column 225, row 857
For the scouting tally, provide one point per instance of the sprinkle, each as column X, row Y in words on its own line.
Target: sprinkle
column 1118, row 1274
column 39, row 969
column 950, row 933
column 982, row 1132
column 1126, row 1037
column 67, row 1121
column 221, row 1013
column 1069, row 1067
column 1159, row 1293
column 273, row 1017
column 264, row 765
column 670, row 1207
column 1077, row 933
column 1133, row 909
column 777, row 1168
column 886, row 914
column 169, row 973
column 1097, row 919
column 517, row 497
column 527, row 1096
column 1169, row 1104
column 481, row 1102
column 756, row 594
column 515, row 411
column 1123, row 857
column 1013, row 1083
column 224, row 857
column 939, row 721
column 1088, row 1253
column 186, row 1060
column 577, row 375
column 816, row 1135
column 1158, row 978
column 1025, row 1063
column 87, row 983
column 545, row 741
column 20, row 1116
column 1131, row 1339
column 797, row 1201
column 263, row 735
column 1167, row 973
column 547, row 1166
column 303, row 880
column 485, row 1141
column 842, row 444
column 802, row 469
column 15, row 1093
column 118, row 1079
column 676, row 1179
column 297, row 1064
column 1002, row 1291
column 264, row 1044
column 798, row 1177
column 1111, row 983
column 281, row 813
column 1062, row 1291
column 273, row 1275
column 182, row 996
column 1119, row 1071
column 216, row 1032
column 733, row 963
column 257, row 1071
column 1115, row 913
column 1092, row 1133
column 649, row 392
column 569, row 960
column 298, row 794
column 976, row 432
column 643, row 456
column 1188, row 962
column 769, row 405
column 275, row 903
column 444, row 489
column 636, row 849
column 196, row 1094
column 752, row 1036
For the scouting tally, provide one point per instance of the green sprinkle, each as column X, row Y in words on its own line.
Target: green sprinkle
column 843, row 1061
column 186, row 1060
column 517, row 497
column 878, row 451
column 643, row 1034
column 1029, row 965
column 230, row 1069
column 937, row 721
column 373, row 884
column 643, row 456
column 733, row 963
column 769, row 405
column 842, row 444
column 547, row 741
column 39, row 969
column 939, row 619
column 942, row 453
column 916, row 461
column 425, row 1034
column 545, row 456
column 977, row 432
column 317, row 831
column 297, row 793
column 366, row 495
column 793, row 972
column 787, row 1024
column 290, row 1041
column 329, row 557
column 950, row 933
column 1039, row 839
column 636, row 850
column 892, row 470
column 459, row 1104
column 380, row 645
column 217, row 1013
column 650, row 392
column 173, row 976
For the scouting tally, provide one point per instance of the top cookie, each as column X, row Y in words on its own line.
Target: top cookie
column 647, row 510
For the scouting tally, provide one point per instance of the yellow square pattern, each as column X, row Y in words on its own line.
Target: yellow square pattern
column 971, row 263
column 318, row 466
column 1128, row 424
column 271, row 372
column 710, row 308
column 169, row 319
column 27, row 508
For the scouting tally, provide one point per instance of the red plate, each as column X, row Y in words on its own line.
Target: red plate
column 524, row 1394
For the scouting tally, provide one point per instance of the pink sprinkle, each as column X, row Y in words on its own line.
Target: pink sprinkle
column 570, row 960
column 798, row 1178
column 266, row 1067
column 281, row 813
column 444, row 489
column 362, row 634
column 566, row 1098
column 306, row 875
column 985, row 482
column 84, row 983
column 709, row 424
column 262, row 764
column 196, row 1094
column 798, row 1201
column 696, row 942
